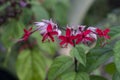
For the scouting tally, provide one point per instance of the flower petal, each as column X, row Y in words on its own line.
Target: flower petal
column 49, row 27
column 51, row 37
column 54, row 33
column 71, row 42
column 30, row 29
column 45, row 36
column 89, row 38
column 106, row 31
column 78, row 40
column 68, row 32
column 86, row 32
column 62, row 43
column 62, row 37
column 25, row 31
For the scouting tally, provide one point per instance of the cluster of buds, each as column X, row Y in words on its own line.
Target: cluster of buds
column 48, row 29
column 13, row 10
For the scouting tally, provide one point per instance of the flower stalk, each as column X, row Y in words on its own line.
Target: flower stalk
column 75, row 60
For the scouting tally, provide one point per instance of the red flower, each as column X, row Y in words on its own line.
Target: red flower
column 68, row 38
column 103, row 33
column 84, row 37
column 27, row 33
column 49, row 33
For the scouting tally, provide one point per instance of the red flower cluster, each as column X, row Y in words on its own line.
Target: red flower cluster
column 48, row 30
column 103, row 33
column 82, row 35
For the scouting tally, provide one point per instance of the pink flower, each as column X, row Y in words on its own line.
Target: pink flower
column 93, row 32
column 103, row 33
column 67, row 39
column 84, row 37
column 27, row 33
column 42, row 26
column 49, row 33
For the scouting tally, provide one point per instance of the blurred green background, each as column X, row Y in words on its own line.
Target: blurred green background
column 31, row 60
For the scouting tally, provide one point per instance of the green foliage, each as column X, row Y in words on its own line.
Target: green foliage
column 31, row 65
column 75, row 76
column 39, row 12
column 12, row 31
column 95, row 77
column 94, row 60
column 117, row 56
column 79, row 53
column 110, row 68
column 116, row 76
column 51, row 49
column 26, row 16
column 58, row 9
column 59, row 65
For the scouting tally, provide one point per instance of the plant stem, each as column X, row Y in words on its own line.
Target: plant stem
column 75, row 60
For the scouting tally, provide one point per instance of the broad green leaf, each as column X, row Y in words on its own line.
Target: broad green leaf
column 114, row 30
column 116, row 76
column 95, row 77
column 30, row 65
column 75, row 76
column 117, row 55
column 96, row 57
column 82, row 76
column 39, row 12
column 110, row 68
column 51, row 49
column 60, row 65
column 68, row 76
column 12, row 31
column 79, row 53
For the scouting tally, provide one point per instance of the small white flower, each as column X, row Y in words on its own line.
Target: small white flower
column 59, row 32
column 42, row 26
column 92, row 34
column 80, row 29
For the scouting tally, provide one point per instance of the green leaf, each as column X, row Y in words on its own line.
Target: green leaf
column 75, row 76
column 30, row 65
column 40, row 12
column 60, row 65
column 12, row 31
column 110, row 68
column 49, row 4
column 79, row 53
column 68, row 76
column 95, row 77
column 26, row 16
column 82, row 76
column 114, row 30
column 96, row 57
column 117, row 55
column 51, row 49
column 116, row 76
